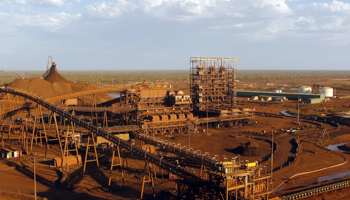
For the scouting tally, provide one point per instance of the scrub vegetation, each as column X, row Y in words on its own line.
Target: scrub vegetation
column 181, row 78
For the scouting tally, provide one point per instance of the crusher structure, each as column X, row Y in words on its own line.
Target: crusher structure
column 213, row 92
column 158, row 109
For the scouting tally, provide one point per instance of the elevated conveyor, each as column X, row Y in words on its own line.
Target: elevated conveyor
column 190, row 178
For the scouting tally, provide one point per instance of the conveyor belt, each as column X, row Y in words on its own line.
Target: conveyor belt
column 138, row 152
column 199, row 159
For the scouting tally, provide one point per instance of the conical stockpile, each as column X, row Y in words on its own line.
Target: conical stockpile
column 55, row 85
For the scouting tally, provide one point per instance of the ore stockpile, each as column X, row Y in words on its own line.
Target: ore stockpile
column 84, row 124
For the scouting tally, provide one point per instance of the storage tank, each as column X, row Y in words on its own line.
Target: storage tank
column 180, row 93
column 278, row 91
column 326, row 91
column 305, row 90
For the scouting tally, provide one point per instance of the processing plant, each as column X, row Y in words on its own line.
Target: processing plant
column 142, row 112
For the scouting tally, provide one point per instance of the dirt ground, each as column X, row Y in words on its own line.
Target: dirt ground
column 219, row 142
column 93, row 184
column 288, row 161
column 290, row 158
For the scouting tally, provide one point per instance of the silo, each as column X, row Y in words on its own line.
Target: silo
column 305, row 90
column 326, row 91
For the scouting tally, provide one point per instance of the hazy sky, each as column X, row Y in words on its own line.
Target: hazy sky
column 164, row 34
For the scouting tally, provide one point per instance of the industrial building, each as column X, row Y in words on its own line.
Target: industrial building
column 213, row 85
column 307, row 98
column 213, row 92
column 143, row 111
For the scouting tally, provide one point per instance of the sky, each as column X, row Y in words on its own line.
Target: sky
column 164, row 34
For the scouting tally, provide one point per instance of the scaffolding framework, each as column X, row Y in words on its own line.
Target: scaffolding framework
column 213, row 85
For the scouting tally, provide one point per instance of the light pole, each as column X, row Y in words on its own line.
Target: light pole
column 272, row 150
column 298, row 110
column 236, row 185
column 35, row 197
column 189, row 139
column 207, row 122
column 67, row 153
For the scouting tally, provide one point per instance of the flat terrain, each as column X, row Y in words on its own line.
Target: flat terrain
column 254, row 80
